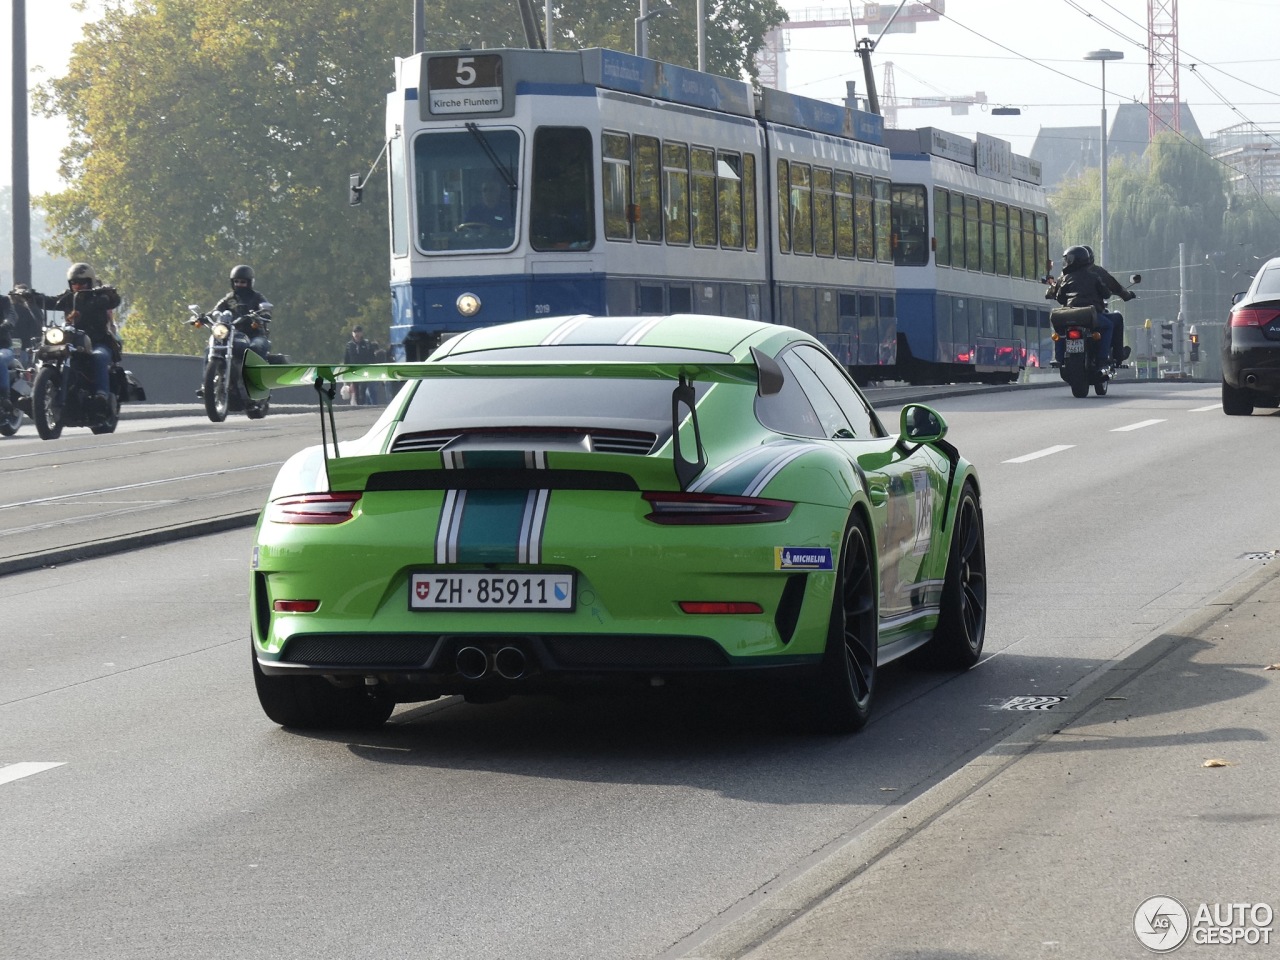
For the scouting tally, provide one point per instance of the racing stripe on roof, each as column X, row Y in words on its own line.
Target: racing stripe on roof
column 637, row 333
column 560, row 333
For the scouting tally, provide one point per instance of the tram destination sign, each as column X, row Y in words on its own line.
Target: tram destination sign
column 464, row 83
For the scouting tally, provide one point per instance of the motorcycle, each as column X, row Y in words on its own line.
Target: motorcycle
column 63, row 392
column 222, row 388
column 18, row 399
column 1087, row 361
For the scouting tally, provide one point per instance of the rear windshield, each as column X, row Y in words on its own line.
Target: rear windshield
column 1268, row 283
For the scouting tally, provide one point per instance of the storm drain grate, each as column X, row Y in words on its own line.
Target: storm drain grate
column 1263, row 555
column 1029, row 703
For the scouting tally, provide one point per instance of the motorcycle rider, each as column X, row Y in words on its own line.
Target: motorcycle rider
column 6, row 345
column 88, row 307
column 1119, row 352
column 1078, row 286
column 241, row 301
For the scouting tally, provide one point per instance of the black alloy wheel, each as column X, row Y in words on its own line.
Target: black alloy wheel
column 962, row 621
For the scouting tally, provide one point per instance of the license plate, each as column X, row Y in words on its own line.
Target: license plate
column 491, row 591
column 1075, row 346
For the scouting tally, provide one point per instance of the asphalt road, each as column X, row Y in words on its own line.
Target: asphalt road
column 180, row 822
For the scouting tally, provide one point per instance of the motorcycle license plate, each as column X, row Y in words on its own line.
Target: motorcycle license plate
column 1075, row 346
column 527, row 592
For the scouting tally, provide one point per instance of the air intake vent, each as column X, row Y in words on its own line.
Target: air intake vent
column 606, row 441
column 423, row 442
column 635, row 442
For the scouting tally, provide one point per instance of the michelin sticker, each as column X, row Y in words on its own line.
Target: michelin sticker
column 802, row 558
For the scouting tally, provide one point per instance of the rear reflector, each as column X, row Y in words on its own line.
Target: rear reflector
column 705, row 508
column 719, row 607
column 313, row 508
column 296, row 606
column 1251, row 317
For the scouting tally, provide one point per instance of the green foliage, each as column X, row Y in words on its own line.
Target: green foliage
column 206, row 133
column 1175, row 193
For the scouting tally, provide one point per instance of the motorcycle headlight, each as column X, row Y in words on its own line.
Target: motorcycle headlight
column 221, row 331
column 468, row 304
column 55, row 336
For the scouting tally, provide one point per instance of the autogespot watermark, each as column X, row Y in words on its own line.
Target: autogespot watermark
column 1163, row 924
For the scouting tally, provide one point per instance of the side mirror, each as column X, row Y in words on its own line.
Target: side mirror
column 1237, row 297
column 194, row 308
column 355, row 192
column 265, row 305
column 921, row 424
column 1135, row 278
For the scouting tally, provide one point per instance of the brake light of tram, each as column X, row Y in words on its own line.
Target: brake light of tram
column 1253, row 316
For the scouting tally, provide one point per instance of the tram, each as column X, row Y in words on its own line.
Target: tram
column 526, row 183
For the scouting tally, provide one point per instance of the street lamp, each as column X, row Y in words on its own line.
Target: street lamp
column 1102, row 56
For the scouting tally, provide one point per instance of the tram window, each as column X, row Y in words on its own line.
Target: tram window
column 884, row 225
column 704, row 197
column 651, row 299
column 943, row 337
column 824, row 239
column 863, row 219
column 1004, row 319
column 910, row 226
column 888, row 330
column 1030, row 269
column 398, row 188
column 647, row 189
column 784, row 206
column 1015, row 242
column 729, row 197
column 562, row 207
column 987, row 232
column 972, row 251
column 801, row 208
column 843, row 186
column 868, row 331
column 828, row 319
column 750, row 221
column 681, row 299
column 1042, row 242
column 990, row 319
column 961, row 332
column 804, row 316
column 957, row 230
column 1002, row 239
column 450, row 172
column 675, row 179
column 615, row 181
column 941, row 230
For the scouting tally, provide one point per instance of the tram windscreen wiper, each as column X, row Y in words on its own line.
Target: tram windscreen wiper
column 481, row 139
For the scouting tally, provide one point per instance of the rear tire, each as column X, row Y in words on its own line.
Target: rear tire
column 108, row 423
column 962, row 621
column 1236, row 403
column 256, row 409
column 215, row 391
column 1100, row 388
column 10, row 422
column 313, row 703
column 1077, row 376
column 840, row 700
column 46, row 403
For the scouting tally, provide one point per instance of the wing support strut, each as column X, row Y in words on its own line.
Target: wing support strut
column 683, row 402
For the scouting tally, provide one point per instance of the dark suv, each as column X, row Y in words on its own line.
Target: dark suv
column 1251, row 346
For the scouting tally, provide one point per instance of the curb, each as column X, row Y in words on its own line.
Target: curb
column 787, row 898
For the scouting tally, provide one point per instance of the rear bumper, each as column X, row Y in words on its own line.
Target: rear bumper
column 1251, row 362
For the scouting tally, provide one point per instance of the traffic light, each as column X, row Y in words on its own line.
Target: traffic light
column 1166, row 336
column 1194, row 339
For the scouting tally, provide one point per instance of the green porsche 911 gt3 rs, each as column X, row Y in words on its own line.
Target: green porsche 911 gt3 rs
column 645, row 500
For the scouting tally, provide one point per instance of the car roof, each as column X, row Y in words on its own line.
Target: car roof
column 729, row 336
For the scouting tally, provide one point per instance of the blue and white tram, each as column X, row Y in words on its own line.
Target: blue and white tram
column 971, row 243
column 530, row 182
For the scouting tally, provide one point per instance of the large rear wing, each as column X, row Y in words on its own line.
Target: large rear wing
column 761, row 370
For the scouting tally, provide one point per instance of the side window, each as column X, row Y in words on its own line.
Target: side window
column 863, row 218
column 843, row 183
column 562, row 207
column 972, row 251
column 884, row 226
column 836, row 382
column 957, row 230
column 1015, row 242
column 675, row 177
column 784, row 207
column 824, row 244
column 910, row 226
column 986, row 215
column 1002, row 239
column 835, row 425
column 615, row 180
column 941, row 231
column 801, row 209
column 749, row 201
column 789, row 411
column 705, row 223
column 729, row 196
column 646, row 188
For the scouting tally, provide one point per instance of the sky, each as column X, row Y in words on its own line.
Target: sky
column 1032, row 59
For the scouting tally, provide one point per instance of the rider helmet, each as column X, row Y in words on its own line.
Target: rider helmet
column 80, row 273
column 1088, row 253
column 242, row 272
column 1074, row 256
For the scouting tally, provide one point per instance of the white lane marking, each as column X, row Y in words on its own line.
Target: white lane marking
column 1212, row 406
column 1137, row 426
column 1046, row 452
column 16, row 771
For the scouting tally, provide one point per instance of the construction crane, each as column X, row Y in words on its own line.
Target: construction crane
column 770, row 63
column 890, row 103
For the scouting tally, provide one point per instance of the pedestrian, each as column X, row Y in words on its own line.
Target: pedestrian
column 359, row 351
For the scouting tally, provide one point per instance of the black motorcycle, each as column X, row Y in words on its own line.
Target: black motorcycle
column 18, row 399
column 63, row 392
column 222, row 388
column 1087, row 361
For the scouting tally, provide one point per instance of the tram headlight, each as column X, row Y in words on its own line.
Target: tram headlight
column 468, row 304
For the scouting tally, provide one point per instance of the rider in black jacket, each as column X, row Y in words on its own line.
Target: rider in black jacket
column 88, row 307
column 241, row 301
column 1119, row 352
column 1080, row 287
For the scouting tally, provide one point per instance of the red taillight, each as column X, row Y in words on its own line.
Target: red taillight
column 313, row 508
column 1075, row 333
column 1253, row 317
column 719, row 607
column 296, row 606
column 701, row 508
